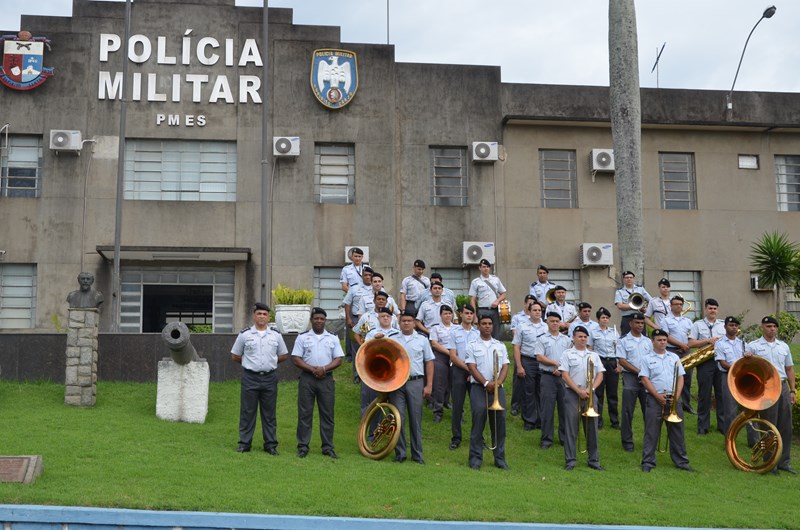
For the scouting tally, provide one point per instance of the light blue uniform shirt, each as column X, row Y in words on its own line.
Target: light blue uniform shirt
column 604, row 342
column 482, row 354
column 539, row 290
column 443, row 334
column 351, row 275
column 259, row 350
column 428, row 313
column 575, row 363
column 776, row 352
column 448, row 297
column 388, row 333
column 418, row 349
column 702, row 329
column 552, row 348
column 660, row 369
column 461, row 338
column 567, row 311
column 678, row 328
column 728, row 350
column 633, row 349
column 414, row 288
column 354, row 296
column 317, row 350
column 369, row 321
column 622, row 295
column 590, row 327
column 527, row 335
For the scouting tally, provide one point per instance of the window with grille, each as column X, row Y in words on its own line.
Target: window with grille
column 570, row 279
column 787, row 169
column 456, row 279
column 335, row 173
column 17, row 295
column 21, row 171
column 180, row 170
column 328, row 292
column 792, row 302
column 449, row 178
column 678, row 181
column 559, row 178
column 687, row 284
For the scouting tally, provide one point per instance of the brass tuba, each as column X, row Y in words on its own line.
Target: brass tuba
column 756, row 385
column 384, row 366
column 550, row 295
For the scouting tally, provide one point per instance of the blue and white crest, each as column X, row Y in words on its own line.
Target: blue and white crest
column 23, row 57
column 334, row 77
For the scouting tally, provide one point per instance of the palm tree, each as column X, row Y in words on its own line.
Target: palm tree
column 777, row 263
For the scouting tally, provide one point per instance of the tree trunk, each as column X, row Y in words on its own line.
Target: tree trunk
column 626, row 130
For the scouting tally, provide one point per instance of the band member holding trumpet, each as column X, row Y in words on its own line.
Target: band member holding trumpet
column 565, row 310
column 540, row 288
column 727, row 351
column 487, row 360
column 780, row 414
column 704, row 334
column 662, row 375
column 631, row 350
column 486, row 292
column 623, row 301
column 582, row 371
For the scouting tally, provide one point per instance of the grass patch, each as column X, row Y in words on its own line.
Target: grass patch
column 118, row 454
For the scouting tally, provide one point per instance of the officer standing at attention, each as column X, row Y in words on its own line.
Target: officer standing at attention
column 631, row 350
column 316, row 353
column 622, row 297
column 412, row 289
column 483, row 355
column 486, row 292
column 259, row 350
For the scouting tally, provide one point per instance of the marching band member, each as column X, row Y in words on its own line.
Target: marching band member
column 549, row 350
column 524, row 314
column 516, row 320
column 780, row 414
column 678, row 326
column 387, row 327
column 442, row 346
column 352, row 300
column 526, row 336
column 486, row 292
column 622, row 296
column 657, row 376
column 367, row 302
column 351, row 273
column 412, row 288
column 658, row 308
column 565, row 310
column 483, row 356
column 448, row 296
column 726, row 352
column 408, row 398
column 631, row 350
column 461, row 336
column 574, row 368
column 542, row 285
column 604, row 340
column 705, row 332
column 428, row 314
column 584, row 319
column 371, row 320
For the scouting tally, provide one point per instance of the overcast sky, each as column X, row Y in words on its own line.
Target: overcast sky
column 556, row 42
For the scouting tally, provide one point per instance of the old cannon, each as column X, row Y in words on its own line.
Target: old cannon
column 177, row 338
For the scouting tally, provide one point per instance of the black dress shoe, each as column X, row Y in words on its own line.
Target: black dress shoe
column 545, row 446
column 271, row 450
column 437, row 419
column 399, row 459
column 646, row 469
column 569, row 467
column 448, row 406
column 454, row 445
column 528, row 427
column 686, row 467
column 690, row 410
column 475, row 466
column 514, row 412
column 628, row 449
column 501, row 465
column 420, row 461
column 788, row 470
column 775, row 471
column 702, row 432
column 597, row 467
column 330, row 454
column 615, row 425
column 302, row 453
column 243, row 449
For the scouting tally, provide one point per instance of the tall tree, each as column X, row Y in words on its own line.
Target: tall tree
column 775, row 259
column 626, row 129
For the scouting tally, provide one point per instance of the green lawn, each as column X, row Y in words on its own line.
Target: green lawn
column 118, row 454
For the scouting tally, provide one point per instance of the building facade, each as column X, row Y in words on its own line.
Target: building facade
column 394, row 170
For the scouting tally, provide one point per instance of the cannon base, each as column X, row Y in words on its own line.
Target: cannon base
column 182, row 391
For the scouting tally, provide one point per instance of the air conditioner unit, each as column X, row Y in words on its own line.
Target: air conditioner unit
column 484, row 151
column 62, row 141
column 602, row 160
column 475, row 251
column 754, row 284
column 286, row 146
column 597, row 254
column 348, row 259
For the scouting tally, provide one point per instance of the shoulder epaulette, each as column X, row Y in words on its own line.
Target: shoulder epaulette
column 244, row 329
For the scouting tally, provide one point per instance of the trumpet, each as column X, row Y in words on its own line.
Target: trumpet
column 589, row 412
column 671, row 406
column 495, row 406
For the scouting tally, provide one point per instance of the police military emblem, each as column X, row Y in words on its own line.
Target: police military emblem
column 23, row 61
column 334, row 76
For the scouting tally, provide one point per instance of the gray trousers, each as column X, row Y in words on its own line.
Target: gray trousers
column 460, row 384
column 551, row 396
column 686, row 395
column 608, row 389
column 258, row 391
column 441, row 381
column 780, row 415
column 497, row 425
column 708, row 378
column 632, row 390
column 408, row 400
column 322, row 391
column 652, row 428
column 530, row 391
column 730, row 405
column 573, row 409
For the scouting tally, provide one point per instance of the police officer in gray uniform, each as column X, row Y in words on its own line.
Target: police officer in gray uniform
column 631, row 349
column 526, row 336
column 461, row 336
column 413, row 287
column 259, row 350
column 549, row 349
column 316, row 353
column 408, row 398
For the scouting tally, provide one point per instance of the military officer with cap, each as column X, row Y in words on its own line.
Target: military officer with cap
column 448, row 296
column 631, row 350
column 678, row 326
column 549, row 349
column 351, row 273
column 412, row 288
column 622, row 297
column 543, row 284
column 486, row 292
column 604, row 342
column 526, row 337
column 566, row 310
column 780, row 414
column 706, row 332
column 727, row 351
column 584, row 319
column 317, row 353
column 259, row 350
column 461, row 336
column 659, row 308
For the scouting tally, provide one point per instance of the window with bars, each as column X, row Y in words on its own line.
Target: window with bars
column 456, row 279
column 570, row 279
column 328, row 291
column 678, row 181
column 787, row 169
column 687, row 284
column 449, row 177
column 335, row 173
column 180, row 170
column 21, row 167
column 17, row 295
column 792, row 302
column 559, row 178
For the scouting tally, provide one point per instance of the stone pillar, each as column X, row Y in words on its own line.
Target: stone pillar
column 80, row 381
column 182, row 392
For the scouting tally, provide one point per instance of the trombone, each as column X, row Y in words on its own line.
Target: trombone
column 495, row 406
column 589, row 412
column 672, row 406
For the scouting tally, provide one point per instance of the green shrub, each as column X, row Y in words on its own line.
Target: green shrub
column 788, row 326
column 287, row 295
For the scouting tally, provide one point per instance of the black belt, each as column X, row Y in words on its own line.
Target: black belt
column 258, row 373
column 549, row 373
column 415, row 377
